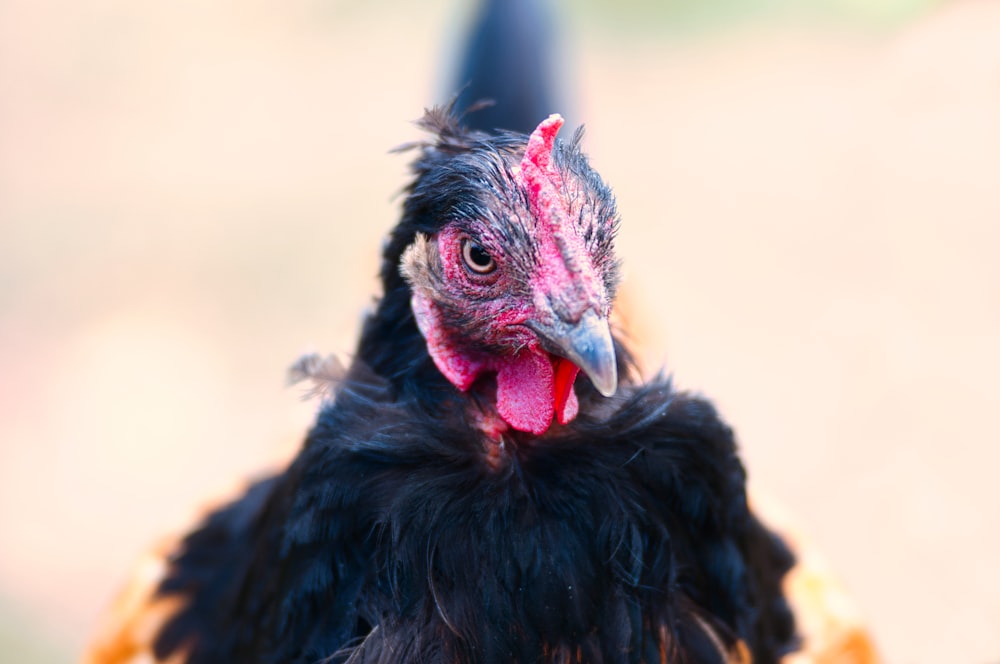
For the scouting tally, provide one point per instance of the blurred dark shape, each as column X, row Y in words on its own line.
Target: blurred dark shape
column 509, row 62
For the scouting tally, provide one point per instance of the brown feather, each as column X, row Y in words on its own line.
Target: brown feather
column 135, row 617
column 830, row 625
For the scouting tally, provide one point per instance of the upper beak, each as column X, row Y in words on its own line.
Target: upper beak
column 588, row 345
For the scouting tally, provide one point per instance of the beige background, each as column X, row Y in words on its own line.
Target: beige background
column 193, row 193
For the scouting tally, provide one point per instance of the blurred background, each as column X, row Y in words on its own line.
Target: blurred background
column 194, row 193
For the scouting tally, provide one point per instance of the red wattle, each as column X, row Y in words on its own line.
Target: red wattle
column 533, row 388
column 524, row 392
column 563, row 397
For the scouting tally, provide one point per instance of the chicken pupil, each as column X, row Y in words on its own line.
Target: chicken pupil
column 479, row 256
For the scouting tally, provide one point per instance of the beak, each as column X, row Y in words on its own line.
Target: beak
column 588, row 345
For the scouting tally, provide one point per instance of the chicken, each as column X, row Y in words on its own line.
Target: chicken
column 489, row 480
column 466, row 496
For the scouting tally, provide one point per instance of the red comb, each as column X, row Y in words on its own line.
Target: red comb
column 538, row 154
column 537, row 171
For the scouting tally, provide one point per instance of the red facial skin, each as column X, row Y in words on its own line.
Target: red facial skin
column 533, row 387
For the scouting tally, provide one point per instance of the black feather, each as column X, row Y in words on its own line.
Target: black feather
column 601, row 540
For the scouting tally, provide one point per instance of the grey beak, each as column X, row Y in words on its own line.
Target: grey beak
column 588, row 345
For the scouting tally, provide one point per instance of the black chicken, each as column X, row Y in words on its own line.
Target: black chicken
column 465, row 496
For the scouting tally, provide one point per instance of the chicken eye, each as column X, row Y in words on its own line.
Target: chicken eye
column 476, row 258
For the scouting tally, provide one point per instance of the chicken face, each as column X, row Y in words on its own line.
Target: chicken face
column 519, row 280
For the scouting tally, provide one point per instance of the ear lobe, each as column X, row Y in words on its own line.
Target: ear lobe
column 420, row 264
